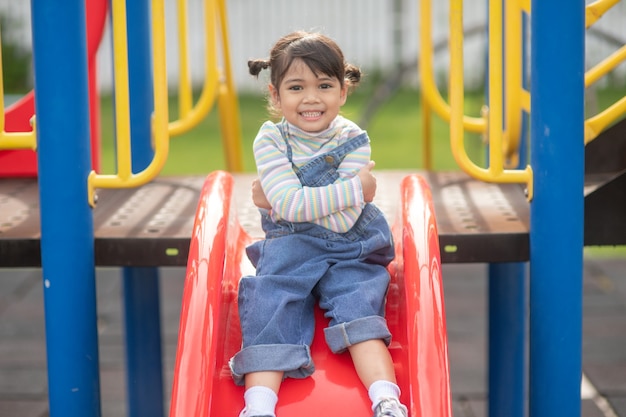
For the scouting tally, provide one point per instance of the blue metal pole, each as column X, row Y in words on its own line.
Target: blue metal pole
column 507, row 339
column 556, row 239
column 143, row 342
column 141, row 285
column 67, row 247
column 507, row 336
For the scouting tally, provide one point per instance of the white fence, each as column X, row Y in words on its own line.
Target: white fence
column 377, row 35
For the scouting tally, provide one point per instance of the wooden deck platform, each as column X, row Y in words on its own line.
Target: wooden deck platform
column 151, row 225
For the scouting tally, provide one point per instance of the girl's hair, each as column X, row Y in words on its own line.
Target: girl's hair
column 320, row 53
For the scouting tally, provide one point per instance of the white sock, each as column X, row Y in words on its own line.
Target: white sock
column 381, row 389
column 260, row 401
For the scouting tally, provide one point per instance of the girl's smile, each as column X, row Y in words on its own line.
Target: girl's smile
column 310, row 115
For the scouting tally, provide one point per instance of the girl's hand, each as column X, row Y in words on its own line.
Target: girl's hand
column 368, row 182
column 258, row 196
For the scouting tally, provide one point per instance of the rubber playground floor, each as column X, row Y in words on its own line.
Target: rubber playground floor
column 23, row 382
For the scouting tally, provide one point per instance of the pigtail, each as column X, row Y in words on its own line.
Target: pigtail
column 255, row 66
column 353, row 75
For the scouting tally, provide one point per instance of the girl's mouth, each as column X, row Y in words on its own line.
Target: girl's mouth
column 311, row 115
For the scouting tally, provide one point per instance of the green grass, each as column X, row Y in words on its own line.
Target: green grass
column 395, row 131
column 605, row 252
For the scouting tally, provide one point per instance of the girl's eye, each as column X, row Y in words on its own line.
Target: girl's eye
column 295, row 88
column 325, row 86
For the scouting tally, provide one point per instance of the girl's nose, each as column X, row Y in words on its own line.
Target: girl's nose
column 311, row 97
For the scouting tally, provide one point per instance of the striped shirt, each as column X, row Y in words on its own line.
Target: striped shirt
column 335, row 207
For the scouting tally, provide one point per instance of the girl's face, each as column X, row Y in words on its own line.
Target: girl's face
column 308, row 101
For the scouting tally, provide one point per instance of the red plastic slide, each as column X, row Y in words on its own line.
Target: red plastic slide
column 209, row 332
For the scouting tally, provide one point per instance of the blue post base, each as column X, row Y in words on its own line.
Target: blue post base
column 507, row 339
column 143, row 342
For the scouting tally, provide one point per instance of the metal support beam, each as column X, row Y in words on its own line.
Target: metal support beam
column 556, row 216
column 67, row 245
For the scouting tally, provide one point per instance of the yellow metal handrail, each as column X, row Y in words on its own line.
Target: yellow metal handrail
column 595, row 10
column 185, row 99
column 125, row 178
column 427, row 146
column 496, row 171
column 516, row 99
column 513, row 82
column 525, row 5
column 596, row 124
column 430, row 92
column 594, row 74
column 189, row 115
column 14, row 140
column 217, row 84
column 228, row 102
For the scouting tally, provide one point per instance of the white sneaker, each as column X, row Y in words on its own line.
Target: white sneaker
column 248, row 413
column 390, row 407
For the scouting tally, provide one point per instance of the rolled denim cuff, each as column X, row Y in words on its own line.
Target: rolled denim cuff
column 294, row 360
column 343, row 335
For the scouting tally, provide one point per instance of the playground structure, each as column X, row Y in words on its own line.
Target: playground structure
column 214, row 258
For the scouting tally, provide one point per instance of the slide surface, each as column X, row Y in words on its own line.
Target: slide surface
column 209, row 327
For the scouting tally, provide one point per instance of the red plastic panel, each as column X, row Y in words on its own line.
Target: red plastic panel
column 23, row 162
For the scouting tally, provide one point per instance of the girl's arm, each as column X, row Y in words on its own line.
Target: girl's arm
column 289, row 199
column 368, row 185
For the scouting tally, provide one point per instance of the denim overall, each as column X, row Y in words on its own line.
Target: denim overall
column 301, row 263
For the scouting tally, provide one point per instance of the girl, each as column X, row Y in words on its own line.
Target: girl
column 325, row 241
